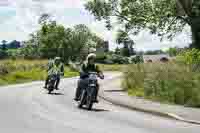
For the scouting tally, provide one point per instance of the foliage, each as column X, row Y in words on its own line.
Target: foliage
column 123, row 38
column 137, row 59
column 154, row 52
column 173, row 51
column 164, row 82
column 3, row 54
column 118, row 59
column 162, row 17
column 55, row 40
column 191, row 56
column 19, row 71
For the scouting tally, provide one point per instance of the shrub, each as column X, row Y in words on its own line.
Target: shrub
column 100, row 58
column 137, row 59
column 191, row 56
column 117, row 59
column 169, row 82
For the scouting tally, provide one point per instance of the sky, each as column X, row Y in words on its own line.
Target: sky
column 19, row 18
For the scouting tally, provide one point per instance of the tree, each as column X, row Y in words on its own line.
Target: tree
column 4, row 45
column 117, row 51
column 173, row 51
column 153, row 52
column 44, row 18
column 55, row 40
column 123, row 38
column 162, row 17
column 3, row 50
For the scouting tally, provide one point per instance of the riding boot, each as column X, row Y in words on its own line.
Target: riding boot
column 46, row 82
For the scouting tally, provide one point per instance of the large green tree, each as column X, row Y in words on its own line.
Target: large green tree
column 162, row 17
column 53, row 39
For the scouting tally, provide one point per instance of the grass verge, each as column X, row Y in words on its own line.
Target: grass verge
column 21, row 71
column 169, row 83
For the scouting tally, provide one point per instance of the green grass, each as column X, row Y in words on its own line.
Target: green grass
column 169, row 83
column 21, row 71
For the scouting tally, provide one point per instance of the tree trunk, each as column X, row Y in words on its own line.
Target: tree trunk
column 195, row 29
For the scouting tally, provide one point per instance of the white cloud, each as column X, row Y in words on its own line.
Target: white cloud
column 146, row 41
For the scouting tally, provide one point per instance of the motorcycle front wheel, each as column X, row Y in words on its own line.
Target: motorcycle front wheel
column 82, row 99
column 90, row 100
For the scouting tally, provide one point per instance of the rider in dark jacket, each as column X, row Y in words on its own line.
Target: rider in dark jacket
column 87, row 66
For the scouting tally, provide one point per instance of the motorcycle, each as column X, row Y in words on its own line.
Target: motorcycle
column 87, row 96
column 52, row 83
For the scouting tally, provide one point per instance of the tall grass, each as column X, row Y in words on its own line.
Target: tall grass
column 19, row 71
column 111, row 67
column 169, row 82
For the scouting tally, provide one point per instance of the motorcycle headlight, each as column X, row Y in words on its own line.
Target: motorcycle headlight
column 92, row 85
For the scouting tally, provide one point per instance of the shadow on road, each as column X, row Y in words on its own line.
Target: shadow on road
column 96, row 110
column 58, row 94
column 100, row 110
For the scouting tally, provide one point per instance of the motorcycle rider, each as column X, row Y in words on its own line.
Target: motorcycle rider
column 55, row 67
column 88, row 66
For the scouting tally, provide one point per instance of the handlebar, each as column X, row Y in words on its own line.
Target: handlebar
column 93, row 73
column 100, row 75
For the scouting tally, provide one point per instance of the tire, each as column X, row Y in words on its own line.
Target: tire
column 49, row 91
column 82, row 100
column 50, row 87
column 90, row 101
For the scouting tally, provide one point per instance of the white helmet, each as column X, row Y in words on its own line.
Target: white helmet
column 57, row 58
column 91, row 55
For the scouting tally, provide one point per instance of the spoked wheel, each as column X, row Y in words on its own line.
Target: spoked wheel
column 89, row 103
column 90, row 100
column 82, row 99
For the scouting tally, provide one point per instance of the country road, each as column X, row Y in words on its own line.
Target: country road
column 29, row 109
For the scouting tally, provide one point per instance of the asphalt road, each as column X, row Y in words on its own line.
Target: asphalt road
column 29, row 109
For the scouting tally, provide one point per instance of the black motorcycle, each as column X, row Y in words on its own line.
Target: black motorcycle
column 52, row 83
column 87, row 96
